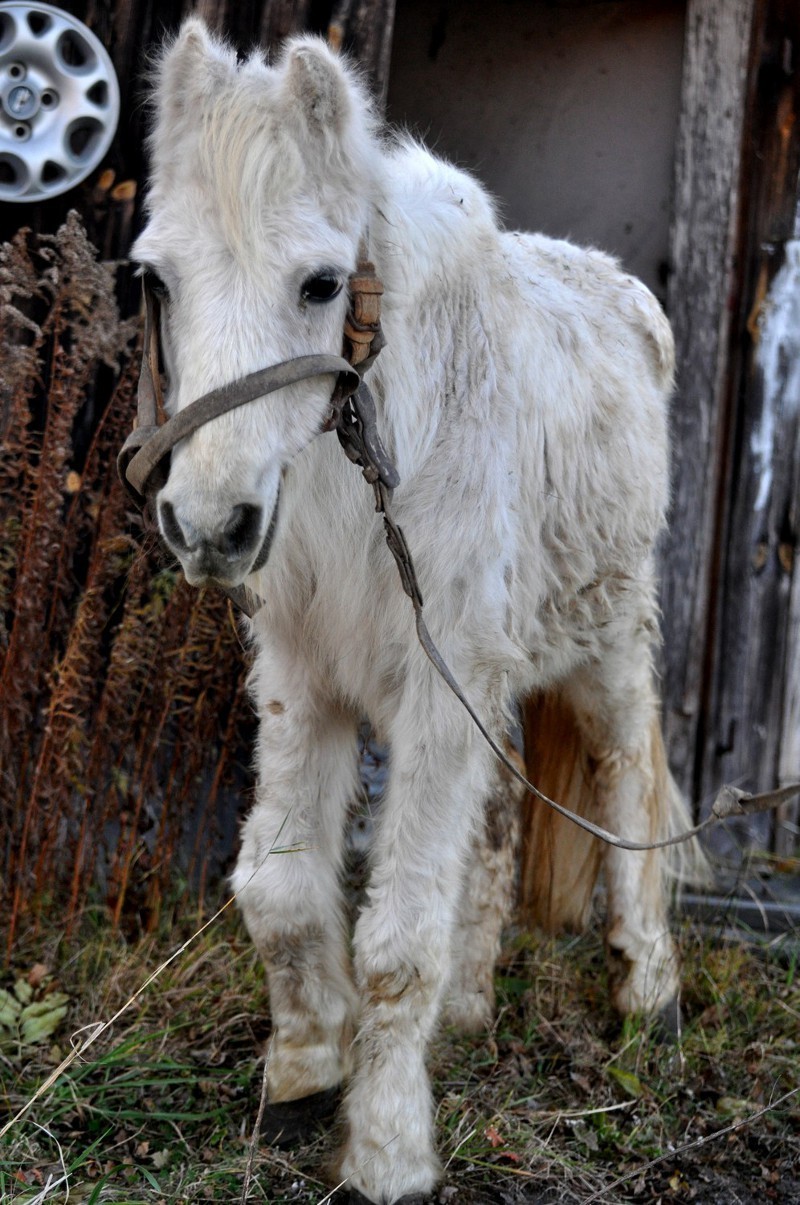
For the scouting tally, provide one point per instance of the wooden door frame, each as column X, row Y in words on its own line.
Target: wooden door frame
column 730, row 598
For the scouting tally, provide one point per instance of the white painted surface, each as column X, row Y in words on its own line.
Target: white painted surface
column 777, row 357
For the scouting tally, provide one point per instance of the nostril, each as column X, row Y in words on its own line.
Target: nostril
column 242, row 531
column 173, row 532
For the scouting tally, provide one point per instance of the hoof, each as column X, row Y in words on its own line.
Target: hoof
column 293, row 1122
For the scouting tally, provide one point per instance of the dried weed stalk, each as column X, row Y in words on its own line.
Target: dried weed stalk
column 123, row 713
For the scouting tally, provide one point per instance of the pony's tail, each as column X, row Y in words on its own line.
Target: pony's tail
column 560, row 862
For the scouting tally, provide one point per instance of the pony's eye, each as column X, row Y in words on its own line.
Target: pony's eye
column 155, row 284
column 324, row 286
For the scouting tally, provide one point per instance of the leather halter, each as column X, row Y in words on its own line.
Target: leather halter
column 142, row 462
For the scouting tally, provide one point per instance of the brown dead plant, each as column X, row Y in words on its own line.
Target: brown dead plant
column 123, row 714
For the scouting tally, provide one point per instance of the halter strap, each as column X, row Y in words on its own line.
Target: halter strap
column 149, row 443
column 142, row 460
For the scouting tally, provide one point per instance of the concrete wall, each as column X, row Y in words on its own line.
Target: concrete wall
column 568, row 111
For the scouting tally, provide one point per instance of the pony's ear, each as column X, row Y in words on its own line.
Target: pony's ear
column 318, row 91
column 190, row 68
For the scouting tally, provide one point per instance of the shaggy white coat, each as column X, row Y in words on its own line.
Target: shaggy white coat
column 522, row 393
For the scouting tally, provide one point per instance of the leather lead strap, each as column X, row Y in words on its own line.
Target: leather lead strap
column 229, row 397
column 149, row 402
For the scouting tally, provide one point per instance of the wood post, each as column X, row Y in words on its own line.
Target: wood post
column 753, row 730
column 701, row 291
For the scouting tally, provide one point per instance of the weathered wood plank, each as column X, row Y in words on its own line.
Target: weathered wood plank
column 753, row 633
column 787, row 832
column 281, row 19
column 748, row 720
column 707, row 174
column 369, row 28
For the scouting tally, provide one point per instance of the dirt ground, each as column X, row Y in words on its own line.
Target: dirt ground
column 562, row 1102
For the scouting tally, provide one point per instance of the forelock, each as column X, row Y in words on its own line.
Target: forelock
column 246, row 147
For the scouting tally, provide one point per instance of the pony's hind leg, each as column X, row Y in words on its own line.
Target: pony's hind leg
column 287, row 879
column 616, row 710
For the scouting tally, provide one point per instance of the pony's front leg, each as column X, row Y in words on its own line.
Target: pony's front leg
column 402, row 942
column 287, row 877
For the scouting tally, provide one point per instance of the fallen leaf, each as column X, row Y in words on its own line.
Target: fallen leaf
column 23, row 991
column 37, row 973
column 40, row 1020
column 734, row 1106
column 631, row 1084
column 10, row 1009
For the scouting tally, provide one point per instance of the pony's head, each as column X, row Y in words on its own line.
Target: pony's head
column 259, row 197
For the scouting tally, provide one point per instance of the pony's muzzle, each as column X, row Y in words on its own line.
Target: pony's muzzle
column 238, row 546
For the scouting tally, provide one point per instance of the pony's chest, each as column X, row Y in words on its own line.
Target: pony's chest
column 339, row 603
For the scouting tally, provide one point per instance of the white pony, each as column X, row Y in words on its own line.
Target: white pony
column 522, row 395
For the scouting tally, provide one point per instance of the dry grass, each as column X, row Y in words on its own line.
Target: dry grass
column 556, row 1104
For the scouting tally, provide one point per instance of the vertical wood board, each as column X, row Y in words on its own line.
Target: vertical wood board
column 787, row 832
column 705, row 213
column 752, row 632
